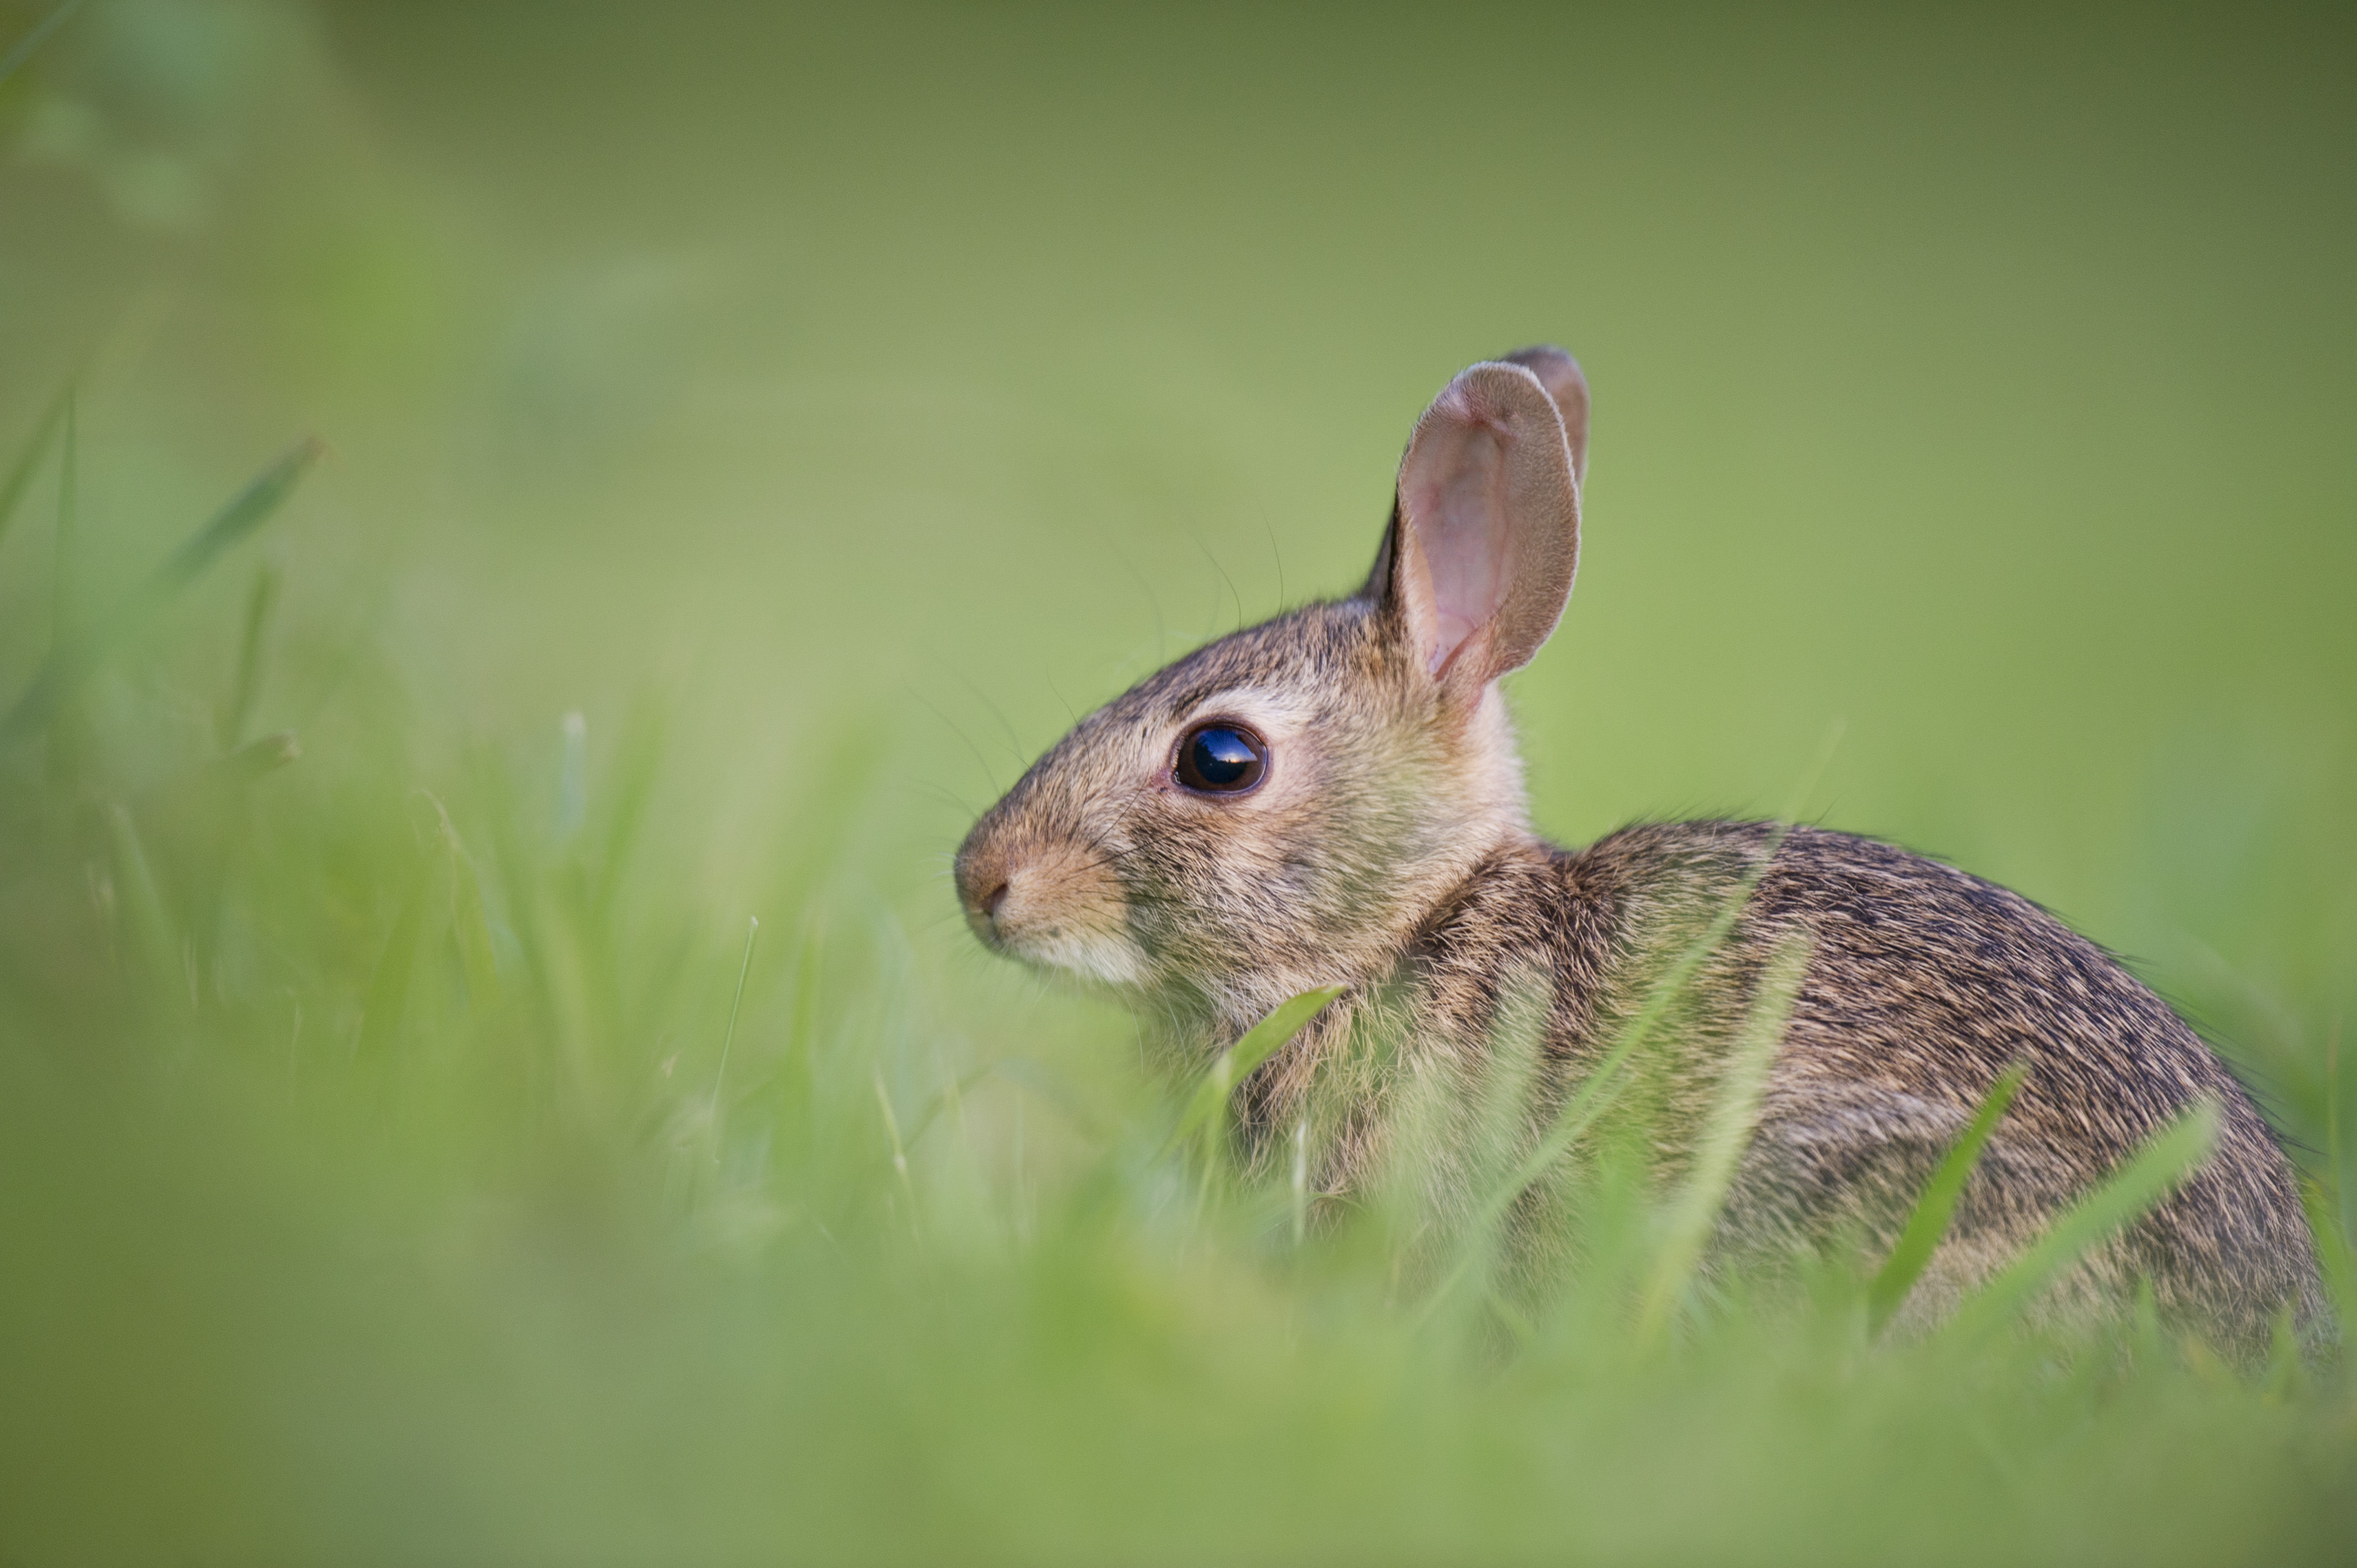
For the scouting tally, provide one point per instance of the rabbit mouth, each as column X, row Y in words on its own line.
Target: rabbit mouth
column 1076, row 950
column 1111, row 962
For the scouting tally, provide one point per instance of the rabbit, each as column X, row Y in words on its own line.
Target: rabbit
column 1334, row 797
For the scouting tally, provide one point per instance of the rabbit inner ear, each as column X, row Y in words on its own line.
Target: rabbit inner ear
column 1485, row 535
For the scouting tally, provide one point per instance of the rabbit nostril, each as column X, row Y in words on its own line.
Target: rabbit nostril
column 992, row 900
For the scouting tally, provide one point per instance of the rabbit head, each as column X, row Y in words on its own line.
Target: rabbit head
column 1284, row 808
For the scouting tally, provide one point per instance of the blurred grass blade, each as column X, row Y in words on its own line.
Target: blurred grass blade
column 247, row 510
column 1673, row 983
column 469, row 923
column 265, row 754
column 29, row 461
column 637, row 760
column 2333, row 1256
column 1235, row 1064
column 152, row 928
column 388, row 991
column 472, row 927
column 737, row 1006
column 1929, row 1222
column 65, row 599
column 951, row 1094
column 2164, row 1160
column 1593, row 1098
column 1598, row 1090
column 1298, row 1188
column 1806, row 785
column 573, row 778
column 1514, row 1079
column 1733, row 1119
column 1595, row 1095
column 229, row 727
column 72, row 659
column 14, row 60
column 899, row 1155
column 844, row 784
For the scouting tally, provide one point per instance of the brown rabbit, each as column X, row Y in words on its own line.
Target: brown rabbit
column 1334, row 797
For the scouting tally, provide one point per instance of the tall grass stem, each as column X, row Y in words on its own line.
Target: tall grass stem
column 1928, row 1223
column 2162, row 1161
column 1736, row 1115
column 29, row 461
column 728, row 1040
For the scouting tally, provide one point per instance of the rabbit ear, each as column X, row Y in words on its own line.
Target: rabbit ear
column 1485, row 538
column 1559, row 374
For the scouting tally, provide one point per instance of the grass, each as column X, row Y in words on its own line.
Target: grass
column 1928, row 1223
column 491, row 1068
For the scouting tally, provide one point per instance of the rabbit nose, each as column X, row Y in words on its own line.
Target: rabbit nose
column 983, row 875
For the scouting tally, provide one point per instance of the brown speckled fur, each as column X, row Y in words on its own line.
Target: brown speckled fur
column 1389, row 849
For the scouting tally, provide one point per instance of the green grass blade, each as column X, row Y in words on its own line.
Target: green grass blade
column 153, row 931
column 14, row 60
column 1514, row 1077
column 263, row 755
column 1595, row 1094
column 1929, row 1222
column 900, row 1155
column 1806, row 785
column 72, row 659
column 470, row 926
column 2164, row 1160
column 2333, row 1256
column 230, row 724
column 636, row 763
column 29, row 461
column 1297, row 1188
column 1733, row 1119
column 951, row 1094
column 1235, row 1064
column 573, row 779
column 388, row 991
column 728, row 1040
column 247, row 510
column 1673, row 983
column 1601, row 1086
column 65, row 598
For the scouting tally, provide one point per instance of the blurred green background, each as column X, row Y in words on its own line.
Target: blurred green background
column 827, row 404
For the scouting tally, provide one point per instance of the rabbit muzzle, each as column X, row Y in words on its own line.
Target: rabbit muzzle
column 1049, row 902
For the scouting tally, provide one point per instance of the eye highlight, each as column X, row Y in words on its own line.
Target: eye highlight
column 1221, row 757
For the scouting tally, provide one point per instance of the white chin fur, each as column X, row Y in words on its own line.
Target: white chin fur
column 1100, row 959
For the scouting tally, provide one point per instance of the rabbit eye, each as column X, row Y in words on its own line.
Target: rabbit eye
column 1222, row 758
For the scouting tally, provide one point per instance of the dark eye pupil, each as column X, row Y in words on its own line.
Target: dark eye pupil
column 1222, row 756
column 1219, row 758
